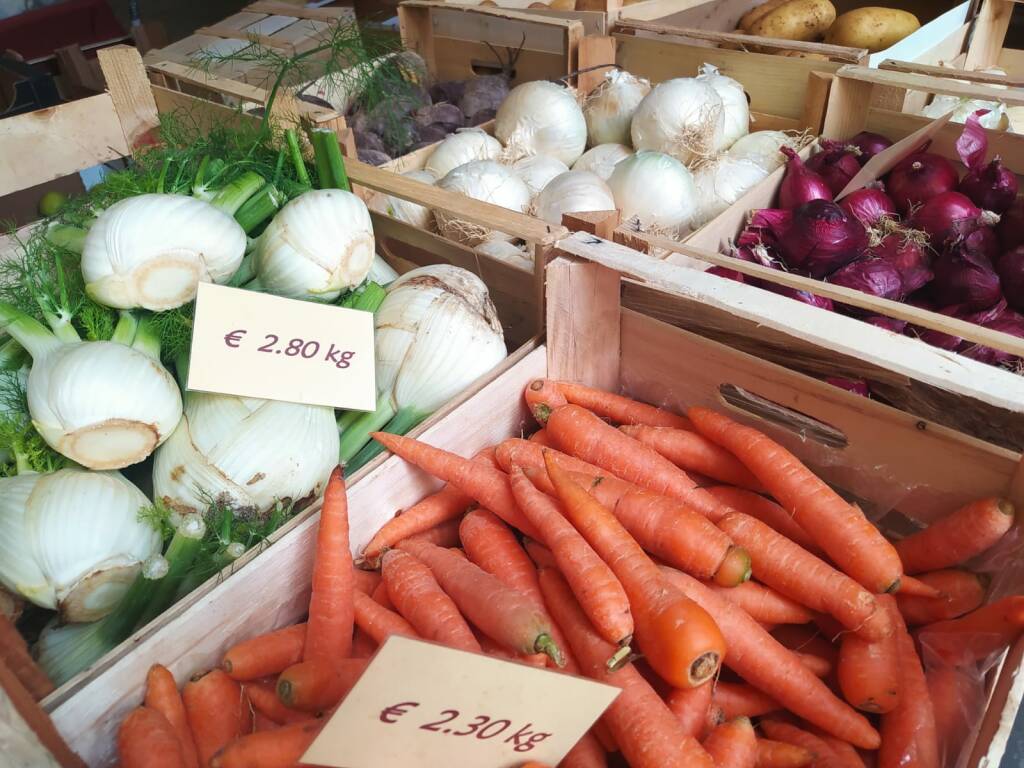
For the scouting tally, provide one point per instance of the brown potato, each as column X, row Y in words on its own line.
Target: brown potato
column 803, row 55
column 755, row 14
column 805, row 20
column 873, row 28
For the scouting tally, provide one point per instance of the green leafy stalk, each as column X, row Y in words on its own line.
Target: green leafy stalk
column 368, row 297
column 185, row 546
column 406, row 419
column 330, row 166
column 234, row 195
column 126, row 328
column 13, row 356
column 358, row 433
column 295, row 152
column 260, row 207
column 27, row 331
column 146, row 340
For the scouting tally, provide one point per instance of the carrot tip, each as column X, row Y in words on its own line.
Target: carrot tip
column 546, row 645
column 705, row 666
column 893, row 588
column 541, row 413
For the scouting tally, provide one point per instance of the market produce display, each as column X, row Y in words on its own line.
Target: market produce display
column 775, row 625
column 929, row 233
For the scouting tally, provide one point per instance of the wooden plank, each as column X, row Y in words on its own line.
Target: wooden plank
column 304, row 32
column 47, row 144
column 464, row 59
column 225, row 85
column 417, row 34
column 330, row 15
column 218, row 30
column 848, row 104
column 908, row 67
column 989, row 33
column 502, row 28
column 204, row 114
column 819, row 85
column 130, row 92
column 594, row 22
column 28, row 735
column 594, row 52
column 943, row 85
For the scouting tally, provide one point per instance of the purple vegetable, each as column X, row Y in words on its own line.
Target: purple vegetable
column 868, row 205
column 817, row 238
column 964, row 277
column 991, row 186
column 869, row 144
column 1008, row 322
column 800, row 184
column 448, row 115
column 728, row 274
column 836, row 164
column 949, row 215
column 804, row 297
column 902, row 249
column 449, row 91
column 918, row 178
column 960, row 312
column 484, row 93
column 373, row 157
column 1010, row 268
column 1011, row 226
column 856, row 386
column 874, row 277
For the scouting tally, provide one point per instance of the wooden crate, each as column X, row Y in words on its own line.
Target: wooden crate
column 283, row 26
column 884, row 456
column 911, row 375
column 128, row 114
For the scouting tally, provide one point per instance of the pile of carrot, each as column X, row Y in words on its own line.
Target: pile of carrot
column 750, row 615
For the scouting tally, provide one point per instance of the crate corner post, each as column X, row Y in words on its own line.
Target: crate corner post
column 130, row 91
column 848, row 103
column 596, row 55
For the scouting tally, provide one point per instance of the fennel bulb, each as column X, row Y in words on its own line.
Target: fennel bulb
column 538, row 170
column 151, row 251
column 683, row 117
column 541, row 118
column 610, row 106
column 656, row 189
column 482, row 180
column 103, row 404
column 460, row 148
column 72, row 540
column 411, row 213
column 318, row 246
column 246, row 454
column 602, row 159
column 436, row 333
column 381, row 272
column 573, row 192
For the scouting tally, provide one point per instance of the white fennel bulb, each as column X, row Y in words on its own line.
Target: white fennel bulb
column 609, row 108
column 490, row 182
column 151, row 251
column 541, row 118
column 720, row 182
column 403, row 210
column 538, row 170
column 683, row 117
column 602, row 159
column 656, row 189
column 573, row 192
column 764, row 148
column 245, row 453
column 735, row 107
column 316, row 247
column 460, row 148
column 74, row 542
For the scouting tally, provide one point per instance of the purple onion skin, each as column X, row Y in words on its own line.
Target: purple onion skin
column 869, row 144
column 947, row 216
column 981, row 243
column 1008, row 322
column 728, row 274
column 888, row 323
column 992, row 187
column 874, row 277
column 918, row 178
column 909, row 258
column 804, row 297
column 856, row 386
column 835, row 164
column 868, row 205
column 821, row 238
column 965, row 278
column 800, row 184
column 1011, row 226
column 1010, row 268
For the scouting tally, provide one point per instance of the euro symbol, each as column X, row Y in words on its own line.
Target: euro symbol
column 234, row 338
column 392, row 713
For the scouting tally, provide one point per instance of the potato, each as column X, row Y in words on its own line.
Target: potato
column 804, row 55
column 754, row 14
column 805, row 20
column 873, row 28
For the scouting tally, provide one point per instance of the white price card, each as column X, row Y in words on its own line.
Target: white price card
column 421, row 705
column 256, row 345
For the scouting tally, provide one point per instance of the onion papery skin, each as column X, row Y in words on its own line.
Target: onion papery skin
column 656, row 189
column 102, row 404
column 869, row 144
column 541, row 118
column 537, row 171
column 602, row 159
column 964, row 278
column 868, row 205
column 403, row 210
column 918, row 178
column 488, row 181
column 1010, row 269
column 1011, row 226
column 950, row 215
column 993, row 187
column 573, row 192
column 609, row 108
column 800, row 184
column 460, row 148
column 817, row 238
column 836, row 164
column 874, row 277
column 682, row 117
column 910, row 259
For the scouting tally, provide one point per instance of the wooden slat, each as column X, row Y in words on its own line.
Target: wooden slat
column 989, row 33
column 219, row 30
column 595, row 52
column 908, row 67
column 943, row 85
column 28, row 736
column 129, row 89
column 333, row 14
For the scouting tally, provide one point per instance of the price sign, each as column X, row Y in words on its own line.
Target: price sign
column 428, row 706
column 256, row 345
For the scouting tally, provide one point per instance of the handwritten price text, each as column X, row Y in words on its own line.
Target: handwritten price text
column 482, row 726
column 304, row 348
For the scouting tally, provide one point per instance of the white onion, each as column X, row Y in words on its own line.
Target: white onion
column 573, row 192
column 482, row 180
column 656, row 189
column 403, row 210
column 610, row 106
column 503, row 250
column 684, row 117
column 962, row 108
column 538, row 170
column 460, row 148
column 602, row 159
column 734, row 103
column 541, row 118
column 720, row 182
column 763, row 148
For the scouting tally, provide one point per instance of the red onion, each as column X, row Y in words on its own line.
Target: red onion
column 856, row 386
column 993, row 186
column 1010, row 268
column 949, row 215
column 1011, row 226
column 1008, row 322
column 903, row 250
column 982, row 242
column 960, row 312
column 888, row 323
column 963, row 277
column 817, row 238
column 728, row 274
column 836, row 164
column 874, row 277
column 918, row 178
column 868, row 205
column 869, row 144
column 800, row 185
column 805, row 297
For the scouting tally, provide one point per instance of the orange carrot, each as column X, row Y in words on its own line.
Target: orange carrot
column 598, row 591
column 363, row 646
column 678, row 638
column 420, row 600
column 958, row 699
column 693, row 452
column 799, row 575
column 263, row 697
column 527, row 455
column 915, row 588
column 146, row 740
column 620, row 409
column 216, row 715
column 280, row 748
column 788, row 733
column 261, row 722
column 14, row 654
column 733, row 744
column 742, row 700
column 379, row 622
column 764, row 604
column 316, row 685
column 845, row 754
column 366, row 581
column 444, row 535
column 540, row 554
column 959, row 592
column 765, row 510
column 978, row 634
column 691, row 706
column 380, row 596
column 586, row 753
column 647, row 732
column 492, row 545
column 446, row 504
column 759, row 659
column 843, row 532
column 541, row 438
column 807, row 641
column 779, row 754
column 506, row 615
column 957, row 537
column 266, row 654
column 908, row 731
column 542, row 397
column 162, row 696
column 868, row 671
column 487, row 485
column 330, row 622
